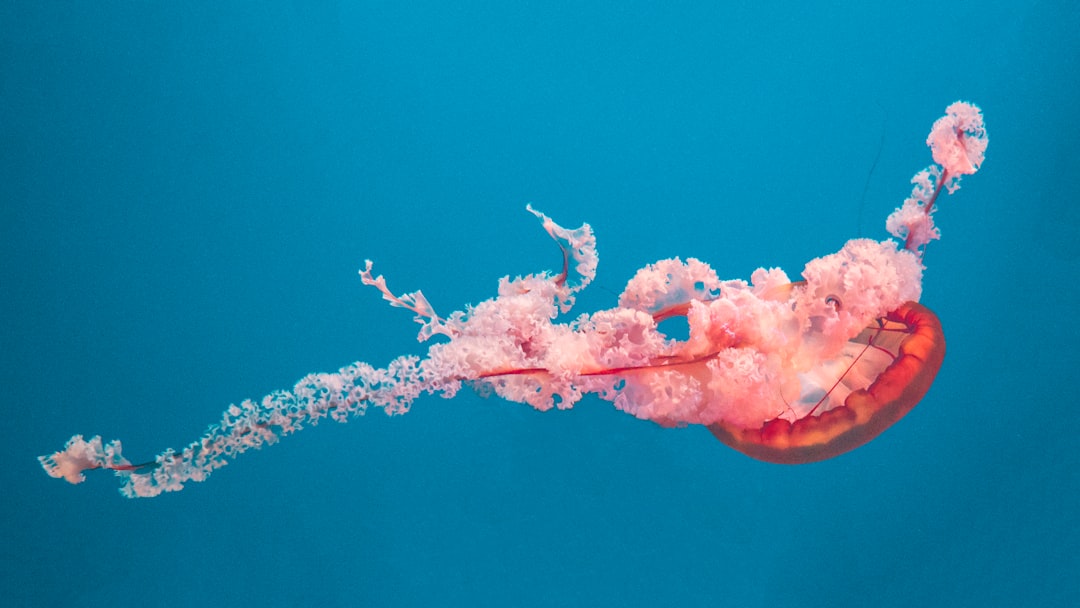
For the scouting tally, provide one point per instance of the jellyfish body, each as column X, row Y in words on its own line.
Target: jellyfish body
column 786, row 372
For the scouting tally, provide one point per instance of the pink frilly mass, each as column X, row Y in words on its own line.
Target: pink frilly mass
column 784, row 371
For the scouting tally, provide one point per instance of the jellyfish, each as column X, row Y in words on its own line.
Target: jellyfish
column 783, row 371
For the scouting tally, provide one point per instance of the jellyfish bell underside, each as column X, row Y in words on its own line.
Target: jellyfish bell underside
column 900, row 355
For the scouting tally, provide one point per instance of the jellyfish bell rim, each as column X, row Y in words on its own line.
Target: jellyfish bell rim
column 866, row 413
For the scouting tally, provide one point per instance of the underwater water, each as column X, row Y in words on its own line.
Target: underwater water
column 188, row 192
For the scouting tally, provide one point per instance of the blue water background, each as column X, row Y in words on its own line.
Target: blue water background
column 187, row 190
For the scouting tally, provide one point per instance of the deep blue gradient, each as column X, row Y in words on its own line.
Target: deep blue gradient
column 188, row 189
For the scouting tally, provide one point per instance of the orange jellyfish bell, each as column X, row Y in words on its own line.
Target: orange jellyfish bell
column 912, row 337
